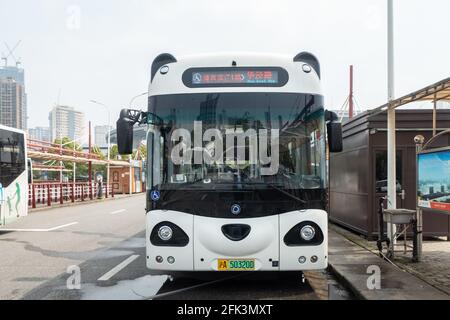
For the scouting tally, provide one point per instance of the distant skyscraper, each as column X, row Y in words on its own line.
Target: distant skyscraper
column 14, row 73
column 40, row 133
column 13, row 99
column 66, row 122
column 101, row 136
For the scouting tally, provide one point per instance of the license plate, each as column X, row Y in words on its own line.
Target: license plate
column 236, row 265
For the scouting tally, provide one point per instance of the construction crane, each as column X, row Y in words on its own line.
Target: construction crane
column 5, row 57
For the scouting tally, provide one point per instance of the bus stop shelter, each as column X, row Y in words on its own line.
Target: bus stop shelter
column 434, row 93
column 439, row 91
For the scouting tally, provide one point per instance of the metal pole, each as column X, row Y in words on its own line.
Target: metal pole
column 74, row 168
column 60, row 162
column 90, row 163
column 417, row 253
column 109, row 152
column 134, row 98
column 392, row 177
column 350, row 101
column 131, row 180
column 434, row 114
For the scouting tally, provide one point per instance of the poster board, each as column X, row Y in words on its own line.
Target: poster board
column 433, row 183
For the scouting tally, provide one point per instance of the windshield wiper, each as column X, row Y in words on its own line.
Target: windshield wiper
column 287, row 193
column 278, row 189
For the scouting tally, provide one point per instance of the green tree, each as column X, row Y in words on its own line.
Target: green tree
column 114, row 152
column 142, row 152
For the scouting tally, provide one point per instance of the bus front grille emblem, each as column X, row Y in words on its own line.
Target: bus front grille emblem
column 236, row 209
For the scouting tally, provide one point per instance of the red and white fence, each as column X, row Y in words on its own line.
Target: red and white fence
column 47, row 194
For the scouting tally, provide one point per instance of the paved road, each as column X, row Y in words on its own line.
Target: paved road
column 42, row 253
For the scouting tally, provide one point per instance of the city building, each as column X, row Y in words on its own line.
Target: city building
column 101, row 136
column 13, row 98
column 40, row 133
column 14, row 73
column 66, row 122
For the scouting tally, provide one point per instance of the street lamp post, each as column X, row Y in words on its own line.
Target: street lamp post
column 138, row 96
column 109, row 138
column 130, row 106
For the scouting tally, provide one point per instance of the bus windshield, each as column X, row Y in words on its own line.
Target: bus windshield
column 12, row 156
column 220, row 141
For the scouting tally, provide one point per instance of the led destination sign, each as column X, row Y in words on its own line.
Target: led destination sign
column 235, row 77
column 261, row 77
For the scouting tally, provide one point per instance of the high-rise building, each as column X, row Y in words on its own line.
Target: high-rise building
column 14, row 73
column 13, row 99
column 40, row 133
column 101, row 136
column 66, row 122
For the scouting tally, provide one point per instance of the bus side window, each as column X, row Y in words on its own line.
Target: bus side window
column 30, row 171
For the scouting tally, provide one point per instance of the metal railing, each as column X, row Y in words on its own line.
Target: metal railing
column 48, row 194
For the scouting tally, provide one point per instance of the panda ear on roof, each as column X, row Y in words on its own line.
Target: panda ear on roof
column 310, row 59
column 160, row 61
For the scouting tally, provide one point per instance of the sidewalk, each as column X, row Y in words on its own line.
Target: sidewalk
column 80, row 203
column 350, row 257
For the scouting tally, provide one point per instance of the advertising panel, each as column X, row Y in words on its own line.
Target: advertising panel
column 434, row 180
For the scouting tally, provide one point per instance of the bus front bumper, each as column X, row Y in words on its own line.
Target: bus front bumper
column 209, row 248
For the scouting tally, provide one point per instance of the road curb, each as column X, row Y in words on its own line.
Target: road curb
column 75, row 204
column 346, row 282
column 349, row 262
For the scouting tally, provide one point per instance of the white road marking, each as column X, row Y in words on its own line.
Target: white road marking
column 63, row 226
column 40, row 230
column 111, row 273
column 118, row 211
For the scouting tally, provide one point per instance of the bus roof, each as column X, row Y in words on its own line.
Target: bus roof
column 2, row 127
column 172, row 83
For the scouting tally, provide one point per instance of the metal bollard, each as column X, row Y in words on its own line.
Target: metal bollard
column 49, row 196
column 33, row 195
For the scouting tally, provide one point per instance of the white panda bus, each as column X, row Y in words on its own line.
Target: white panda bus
column 237, row 174
column 13, row 175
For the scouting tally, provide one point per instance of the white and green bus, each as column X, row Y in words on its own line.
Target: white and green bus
column 13, row 175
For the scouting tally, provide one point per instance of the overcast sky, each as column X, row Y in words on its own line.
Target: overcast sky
column 83, row 49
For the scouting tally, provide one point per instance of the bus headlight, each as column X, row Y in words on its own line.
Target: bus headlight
column 168, row 234
column 165, row 233
column 307, row 233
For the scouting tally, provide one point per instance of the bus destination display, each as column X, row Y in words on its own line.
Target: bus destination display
column 262, row 77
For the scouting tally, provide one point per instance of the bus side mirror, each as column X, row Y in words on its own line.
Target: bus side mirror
column 335, row 140
column 125, row 133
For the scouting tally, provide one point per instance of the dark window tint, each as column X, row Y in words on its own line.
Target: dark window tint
column 382, row 171
column 12, row 156
column 298, row 117
column 30, row 172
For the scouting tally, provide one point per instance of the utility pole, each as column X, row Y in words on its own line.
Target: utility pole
column 90, row 163
column 392, row 148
